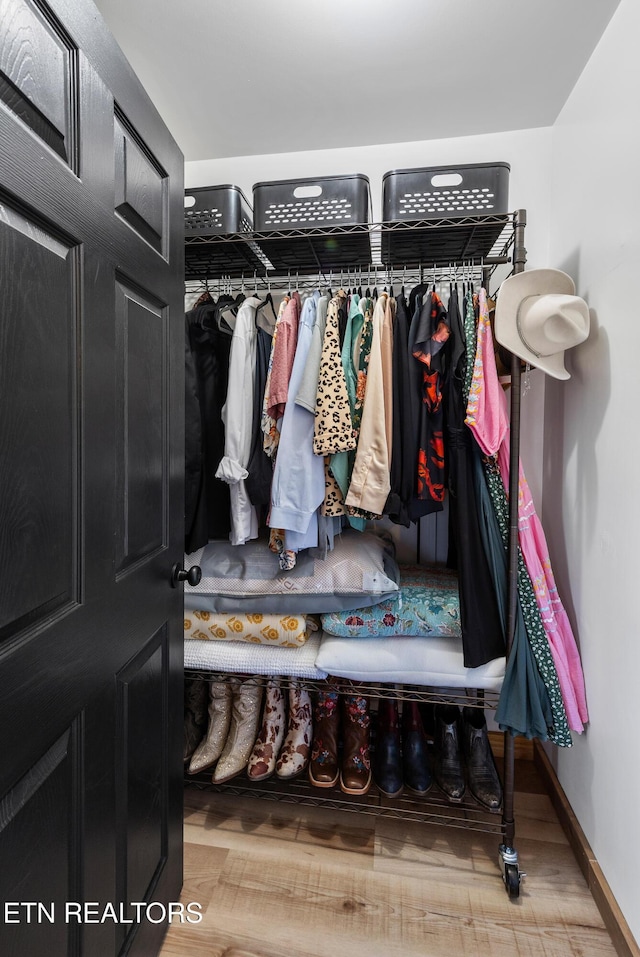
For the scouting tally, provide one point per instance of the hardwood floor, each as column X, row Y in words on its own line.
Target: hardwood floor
column 280, row 880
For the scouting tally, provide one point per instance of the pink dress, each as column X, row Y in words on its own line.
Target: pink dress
column 488, row 419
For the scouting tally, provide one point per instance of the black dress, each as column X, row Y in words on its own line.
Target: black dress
column 404, row 448
column 260, row 467
column 210, row 347
column 482, row 626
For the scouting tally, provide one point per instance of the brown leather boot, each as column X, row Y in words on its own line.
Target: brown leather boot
column 355, row 773
column 323, row 769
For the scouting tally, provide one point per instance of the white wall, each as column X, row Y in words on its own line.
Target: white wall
column 528, row 152
column 591, row 503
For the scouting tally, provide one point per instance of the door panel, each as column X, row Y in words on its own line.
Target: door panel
column 142, row 771
column 32, row 807
column 37, row 72
column 91, row 473
column 141, row 330
column 140, row 185
column 38, row 358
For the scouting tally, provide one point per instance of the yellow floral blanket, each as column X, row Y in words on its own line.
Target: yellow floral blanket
column 288, row 631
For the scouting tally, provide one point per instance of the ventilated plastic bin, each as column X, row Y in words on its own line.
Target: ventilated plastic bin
column 445, row 192
column 216, row 209
column 299, row 203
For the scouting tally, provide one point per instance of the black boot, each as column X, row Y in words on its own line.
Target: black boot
column 484, row 782
column 415, row 763
column 447, row 769
column 387, row 764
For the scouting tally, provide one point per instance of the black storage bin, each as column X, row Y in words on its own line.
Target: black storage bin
column 217, row 209
column 300, row 203
column 445, row 192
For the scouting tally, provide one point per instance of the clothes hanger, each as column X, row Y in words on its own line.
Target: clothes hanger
column 261, row 320
column 205, row 297
column 227, row 310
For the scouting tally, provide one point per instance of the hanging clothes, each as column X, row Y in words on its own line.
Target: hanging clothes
column 298, row 478
column 284, row 350
column 558, row 731
column 268, row 425
column 387, row 371
column 404, row 445
column 308, row 391
column 431, row 334
column 420, row 505
column 210, row 349
column 482, row 629
column 237, row 416
column 370, row 483
column 333, row 429
column 341, row 463
column 192, row 442
column 260, row 467
column 525, row 706
column 488, row 419
column 362, row 336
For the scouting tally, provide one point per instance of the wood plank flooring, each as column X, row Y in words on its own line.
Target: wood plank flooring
column 280, row 880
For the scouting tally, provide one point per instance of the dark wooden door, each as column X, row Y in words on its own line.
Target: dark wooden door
column 91, row 463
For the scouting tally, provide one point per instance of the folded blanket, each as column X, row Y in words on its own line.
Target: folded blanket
column 241, row 658
column 287, row 631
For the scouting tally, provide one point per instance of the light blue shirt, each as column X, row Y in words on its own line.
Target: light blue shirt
column 297, row 489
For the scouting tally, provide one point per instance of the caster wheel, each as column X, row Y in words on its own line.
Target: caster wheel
column 512, row 880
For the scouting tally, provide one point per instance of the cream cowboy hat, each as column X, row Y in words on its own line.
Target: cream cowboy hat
column 538, row 316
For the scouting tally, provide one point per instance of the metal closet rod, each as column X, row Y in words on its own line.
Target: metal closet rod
column 373, row 276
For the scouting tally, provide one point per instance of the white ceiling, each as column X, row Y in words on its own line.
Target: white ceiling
column 242, row 77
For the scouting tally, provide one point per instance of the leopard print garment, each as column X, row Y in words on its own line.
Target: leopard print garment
column 333, row 498
column 333, row 429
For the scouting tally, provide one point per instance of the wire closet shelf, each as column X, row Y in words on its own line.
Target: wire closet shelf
column 484, row 241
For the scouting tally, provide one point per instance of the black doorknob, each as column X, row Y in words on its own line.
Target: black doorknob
column 179, row 574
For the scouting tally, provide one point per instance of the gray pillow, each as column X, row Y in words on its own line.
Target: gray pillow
column 361, row 570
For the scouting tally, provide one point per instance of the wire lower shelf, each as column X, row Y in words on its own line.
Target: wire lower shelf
column 433, row 808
